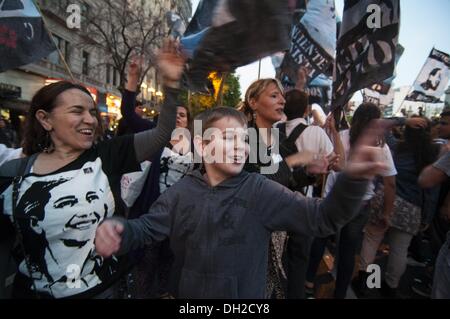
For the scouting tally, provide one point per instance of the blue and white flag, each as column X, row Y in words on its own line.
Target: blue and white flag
column 313, row 42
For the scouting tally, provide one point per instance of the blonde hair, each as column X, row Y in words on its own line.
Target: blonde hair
column 254, row 91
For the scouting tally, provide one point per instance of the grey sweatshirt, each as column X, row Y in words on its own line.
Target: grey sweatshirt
column 220, row 235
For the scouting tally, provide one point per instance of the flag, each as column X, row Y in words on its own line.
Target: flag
column 366, row 47
column 176, row 25
column 202, row 18
column 384, row 87
column 313, row 42
column 432, row 81
column 319, row 95
column 241, row 32
column 23, row 38
column 382, row 99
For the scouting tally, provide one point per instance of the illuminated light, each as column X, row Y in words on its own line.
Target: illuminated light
column 216, row 81
column 50, row 81
column 152, row 112
column 144, row 85
column 145, row 110
column 159, row 93
column 113, row 102
column 151, row 90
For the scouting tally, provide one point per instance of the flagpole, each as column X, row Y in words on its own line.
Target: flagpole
column 54, row 42
column 259, row 69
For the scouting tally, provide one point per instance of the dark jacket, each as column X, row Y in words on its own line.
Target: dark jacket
column 220, row 235
column 134, row 124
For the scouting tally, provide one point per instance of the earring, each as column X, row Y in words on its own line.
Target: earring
column 48, row 146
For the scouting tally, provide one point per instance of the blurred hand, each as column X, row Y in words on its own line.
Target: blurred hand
column 107, row 238
column 171, row 63
column 318, row 166
column 366, row 158
column 334, row 161
column 302, row 78
column 299, row 159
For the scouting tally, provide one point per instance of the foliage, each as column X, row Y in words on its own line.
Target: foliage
column 202, row 102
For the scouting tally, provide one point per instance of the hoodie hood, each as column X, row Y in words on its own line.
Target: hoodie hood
column 231, row 182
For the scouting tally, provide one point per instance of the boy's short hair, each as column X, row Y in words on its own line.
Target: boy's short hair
column 210, row 116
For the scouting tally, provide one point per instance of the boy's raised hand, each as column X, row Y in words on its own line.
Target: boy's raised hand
column 366, row 157
column 107, row 238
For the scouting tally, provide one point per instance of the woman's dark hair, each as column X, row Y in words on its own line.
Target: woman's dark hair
column 418, row 142
column 446, row 112
column 35, row 136
column 364, row 114
column 296, row 104
column 188, row 113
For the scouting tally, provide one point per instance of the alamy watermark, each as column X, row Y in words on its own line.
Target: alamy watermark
column 231, row 146
column 374, row 279
column 374, row 19
column 73, row 21
column 73, row 273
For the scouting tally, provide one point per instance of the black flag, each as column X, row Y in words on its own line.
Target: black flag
column 366, row 48
column 23, row 38
column 241, row 32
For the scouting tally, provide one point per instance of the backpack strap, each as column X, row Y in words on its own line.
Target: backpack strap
column 296, row 132
column 282, row 127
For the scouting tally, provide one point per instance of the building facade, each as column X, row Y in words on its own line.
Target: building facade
column 88, row 64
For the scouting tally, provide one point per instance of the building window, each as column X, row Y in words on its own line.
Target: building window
column 85, row 60
column 108, row 73
column 64, row 48
column 114, row 76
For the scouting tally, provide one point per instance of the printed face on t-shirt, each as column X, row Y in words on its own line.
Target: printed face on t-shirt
column 61, row 215
column 81, row 210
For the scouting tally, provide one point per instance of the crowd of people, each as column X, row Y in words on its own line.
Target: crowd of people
column 137, row 216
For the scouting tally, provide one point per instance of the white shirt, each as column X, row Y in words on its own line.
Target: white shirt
column 313, row 138
column 7, row 154
column 316, row 107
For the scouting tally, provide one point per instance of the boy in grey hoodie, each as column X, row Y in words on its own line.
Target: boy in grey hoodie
column 219, row 220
